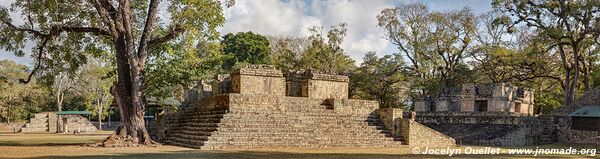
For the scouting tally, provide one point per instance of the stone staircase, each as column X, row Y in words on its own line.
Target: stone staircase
column 548, row 130
column 41, row 122
column 308, row 126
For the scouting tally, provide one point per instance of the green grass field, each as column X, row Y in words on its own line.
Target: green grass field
column 70, row 146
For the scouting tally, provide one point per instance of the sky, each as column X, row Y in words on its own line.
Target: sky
column 295, row 17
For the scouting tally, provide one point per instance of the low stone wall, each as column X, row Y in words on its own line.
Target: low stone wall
column 413, row 133
column 418, row 135
column 486, row 128
column 472, row 117
column 566, row 134
column 77, row 124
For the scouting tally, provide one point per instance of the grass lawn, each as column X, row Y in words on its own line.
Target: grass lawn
column 69, row 146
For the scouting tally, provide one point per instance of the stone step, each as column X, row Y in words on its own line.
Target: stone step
column 281, row 131
column 29, row 129
column 41, row 115
column 36, row 125
column 192, row 140
column 249, row 144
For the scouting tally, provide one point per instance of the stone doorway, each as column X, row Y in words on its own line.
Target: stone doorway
column 481, row 105
column 517, row 107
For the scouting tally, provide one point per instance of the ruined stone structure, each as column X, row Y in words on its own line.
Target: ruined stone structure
column 496, row 97
column 257, row 106
column 50, row 122
column 557, row 125
column 314, row 84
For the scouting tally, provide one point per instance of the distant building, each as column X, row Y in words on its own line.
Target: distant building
column 494, row 97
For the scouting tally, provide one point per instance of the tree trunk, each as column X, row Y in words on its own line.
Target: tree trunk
column 99, row 102
column 58, row 93
column 130, row 96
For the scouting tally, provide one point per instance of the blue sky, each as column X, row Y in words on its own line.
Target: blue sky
column 294, row 17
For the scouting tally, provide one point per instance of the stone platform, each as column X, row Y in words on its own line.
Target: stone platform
column 237, row 121
column 257, row 107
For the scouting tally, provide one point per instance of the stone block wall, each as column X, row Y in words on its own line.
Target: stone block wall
column 418, row 135
column 76, row 124
column 222, row 84
column 566, row 134
column 473, row 118
column 294, row 83
column 325, row 89
column 523, row 136
column 392, row 119
column 285, row 103
column 486, row 128
column 314, row 84
column 354, row 106
column 258, row 79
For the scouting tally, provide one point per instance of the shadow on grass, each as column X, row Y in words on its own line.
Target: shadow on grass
column 13, row 143
column 201, row 154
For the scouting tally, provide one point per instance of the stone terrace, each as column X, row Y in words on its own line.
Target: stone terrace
column 250, row 110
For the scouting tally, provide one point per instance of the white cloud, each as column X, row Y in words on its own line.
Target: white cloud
column 269, row 17
column 274, row 17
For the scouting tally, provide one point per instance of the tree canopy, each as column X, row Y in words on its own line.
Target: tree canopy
column 245, row 48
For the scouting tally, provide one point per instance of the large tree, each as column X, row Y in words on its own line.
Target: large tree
column 381, row 78
column 433, row 43
column 325, row 52
column 245, row 48
column 287, row 52
column 18, row 101
column 571, row 30
column 68, row 30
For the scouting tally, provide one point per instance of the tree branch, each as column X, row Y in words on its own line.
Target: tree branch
column 175, row 31
column 150, row 20
column 39, row 63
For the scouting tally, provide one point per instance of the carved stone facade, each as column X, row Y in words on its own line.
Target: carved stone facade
column 495, row 97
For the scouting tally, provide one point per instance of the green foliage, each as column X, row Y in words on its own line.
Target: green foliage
column 596, row 77
column 382, row 79
column 245, row 48
column 286, row 52
column 570, row 33
column 434, row 44
column 327, row 55
column 18, row 101
column 172, row 74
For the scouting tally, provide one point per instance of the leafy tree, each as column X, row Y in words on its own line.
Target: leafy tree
column 433, row 43
column 326, row 54
column 570, row 29
column 174, row 73
column 18, row 101
column 70, row 30
column 92, row 89
column 287, row 52
column 382, row 79
column 245, row 48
